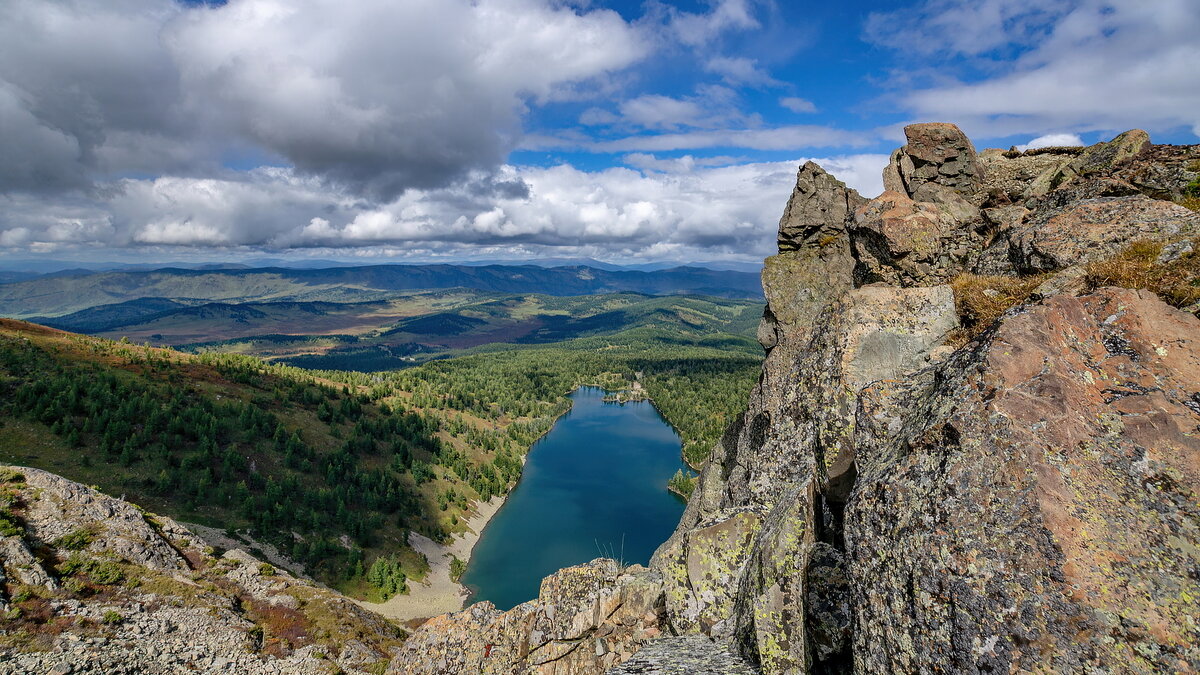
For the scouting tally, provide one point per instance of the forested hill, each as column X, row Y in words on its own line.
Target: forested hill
column 332, row 468
column 54, row 296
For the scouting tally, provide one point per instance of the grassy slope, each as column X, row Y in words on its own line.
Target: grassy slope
column 40, row 434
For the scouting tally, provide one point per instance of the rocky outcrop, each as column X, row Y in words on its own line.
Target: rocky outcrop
column 586, row 619
column 93, row 584
column 819, row 206
column 1081, row 231
column 880, row 496
column 898, row 499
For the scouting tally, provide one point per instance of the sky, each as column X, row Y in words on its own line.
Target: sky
column 442, row 130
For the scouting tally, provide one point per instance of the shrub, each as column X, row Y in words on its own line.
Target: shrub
column 266, row 570
column 111, row 617
column 457, row 569
column 103, row 572
column 76, row 540
column 9, row 527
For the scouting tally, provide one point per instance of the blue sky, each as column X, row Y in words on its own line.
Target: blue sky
column 451, row 129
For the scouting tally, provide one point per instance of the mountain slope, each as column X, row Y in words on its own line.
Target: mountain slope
column 94, row 584
column 64, row 295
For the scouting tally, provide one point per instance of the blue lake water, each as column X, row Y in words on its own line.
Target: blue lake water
column 596, row 479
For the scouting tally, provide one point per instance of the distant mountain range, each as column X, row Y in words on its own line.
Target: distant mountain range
column 60, row 294
column 20, row 269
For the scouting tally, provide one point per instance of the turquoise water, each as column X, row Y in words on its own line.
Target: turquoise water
column 595, row 482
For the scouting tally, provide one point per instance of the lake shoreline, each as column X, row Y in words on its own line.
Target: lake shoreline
column 437, row 593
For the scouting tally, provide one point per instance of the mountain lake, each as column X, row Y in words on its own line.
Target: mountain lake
column 594, row 486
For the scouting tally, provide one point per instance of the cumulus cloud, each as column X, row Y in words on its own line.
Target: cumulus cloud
column 377, row 95
column 662, row 210
column 1082, row 65
column 1052, row 141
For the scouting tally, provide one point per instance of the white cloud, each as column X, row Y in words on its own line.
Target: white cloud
column 798, row 105
column 1052, row 141
column 792, row 137
column 702, row 212
column 1080, row 65
column 684, row 164
column 376, row 95
column 699, row 29
column 661, row 112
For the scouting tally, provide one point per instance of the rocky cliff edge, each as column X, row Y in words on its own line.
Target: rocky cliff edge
column 967, row 452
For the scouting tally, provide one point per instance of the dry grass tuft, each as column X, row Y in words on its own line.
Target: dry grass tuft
column 1192, row 203
column 1176, row 282
column 981, row 299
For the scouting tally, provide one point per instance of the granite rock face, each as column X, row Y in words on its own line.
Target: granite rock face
column 1089, row 229
column 889, row 503
column 937, row 154
column 819, row 204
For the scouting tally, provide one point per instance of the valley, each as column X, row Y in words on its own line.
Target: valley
column 355, row 442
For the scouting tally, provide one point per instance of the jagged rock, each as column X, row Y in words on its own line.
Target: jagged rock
column 1104, row 158
column 905, row 242
column 20, row 564
column 1020, row 178
column 1093, row 228
column 586, row 619
column 771, row 606
column 1030, row 505
column 817, row 211
column 937, row 153
column 1162, row 171
column 118, row 526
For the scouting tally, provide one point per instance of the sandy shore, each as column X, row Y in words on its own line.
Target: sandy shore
column 437, row 594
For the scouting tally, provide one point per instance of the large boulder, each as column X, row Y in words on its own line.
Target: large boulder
column 937, row 153
column 903, row 242
column 701, row 569
column 1031, row 504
